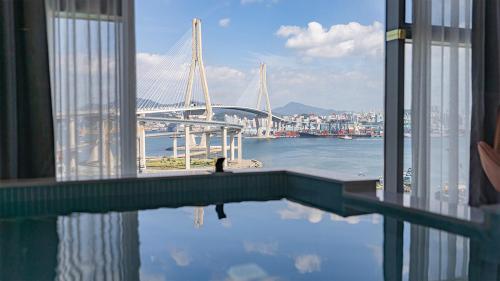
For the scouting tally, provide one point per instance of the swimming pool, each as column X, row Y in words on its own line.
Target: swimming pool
column 288, row 227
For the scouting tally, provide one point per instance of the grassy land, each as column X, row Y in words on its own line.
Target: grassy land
column 167, row 163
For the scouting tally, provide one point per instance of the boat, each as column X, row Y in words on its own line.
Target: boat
column 346, row 137
column 287, row 134
column 322, row 134
column 308, row 135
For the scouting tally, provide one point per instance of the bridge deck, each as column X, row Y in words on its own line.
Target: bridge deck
column 192, row 122
column 202, row 108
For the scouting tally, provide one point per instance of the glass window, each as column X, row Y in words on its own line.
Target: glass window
column 302, row 85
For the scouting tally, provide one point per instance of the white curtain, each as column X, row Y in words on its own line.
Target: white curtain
column 440, row 124
column 440, row 104
column 92, row 63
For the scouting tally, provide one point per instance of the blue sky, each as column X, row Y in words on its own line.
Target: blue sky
column 329, row 63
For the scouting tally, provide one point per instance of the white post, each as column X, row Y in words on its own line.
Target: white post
column 224, row 144
column 240, row 147
column 187, row 152
column 72, row 146
column 207, row 138
column 174, row 146
column 141, row 138
column 231, row 146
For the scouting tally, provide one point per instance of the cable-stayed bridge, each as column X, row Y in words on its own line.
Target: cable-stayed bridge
column 177, row 82
column 175, row 90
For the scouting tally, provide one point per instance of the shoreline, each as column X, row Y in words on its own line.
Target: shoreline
column 164, row 163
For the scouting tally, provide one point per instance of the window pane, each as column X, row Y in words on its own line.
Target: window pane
column 318, row 68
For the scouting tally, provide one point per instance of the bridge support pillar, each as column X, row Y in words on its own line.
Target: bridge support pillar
column 224, row 144
column 187, row 151
column 258, row 127
column 207, row 144
column 193, row 140
column 141, row 145
column 240, row 147
column 174, row 146
column 269, row 125
column 231, row 146
column 203, row 140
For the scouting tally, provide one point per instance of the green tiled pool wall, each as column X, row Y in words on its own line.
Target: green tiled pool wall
column 330, row 195
column 137, row 193
column 312, row 191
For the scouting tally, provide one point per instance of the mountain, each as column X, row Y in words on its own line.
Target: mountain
column 300, row 108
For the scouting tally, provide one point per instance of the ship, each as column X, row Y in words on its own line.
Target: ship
column 287, row 134
column 323, row 134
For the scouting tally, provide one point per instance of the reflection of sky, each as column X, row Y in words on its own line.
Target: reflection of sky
column 266, row 240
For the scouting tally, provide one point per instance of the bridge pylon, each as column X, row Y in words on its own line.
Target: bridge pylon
column 263, row 92
column 197, row 61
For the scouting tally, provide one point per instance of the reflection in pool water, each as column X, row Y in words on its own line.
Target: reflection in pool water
column 274, row 240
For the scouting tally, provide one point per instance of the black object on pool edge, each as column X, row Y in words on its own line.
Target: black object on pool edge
column 219, row 165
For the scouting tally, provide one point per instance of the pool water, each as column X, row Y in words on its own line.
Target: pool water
column 273, row 240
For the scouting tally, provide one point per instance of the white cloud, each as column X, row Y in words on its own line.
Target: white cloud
column 339, row 41
column 224, row 73
column 346, row 84
column 327, row 87
column 352, row 86
column 224, row 22
column 267, row 249
column 225, row 83
column 180, row 257
column 376, row 218
column 349, row 220
column 308, row 263
column 165, row 78
column 296, row 211
column 249, row 271
column 226, row 223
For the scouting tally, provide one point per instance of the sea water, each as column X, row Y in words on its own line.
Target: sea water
column 356, row 157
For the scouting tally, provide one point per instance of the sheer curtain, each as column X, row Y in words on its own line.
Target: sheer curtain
column 440, row 124
column 92, row 57
column 441, row 95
